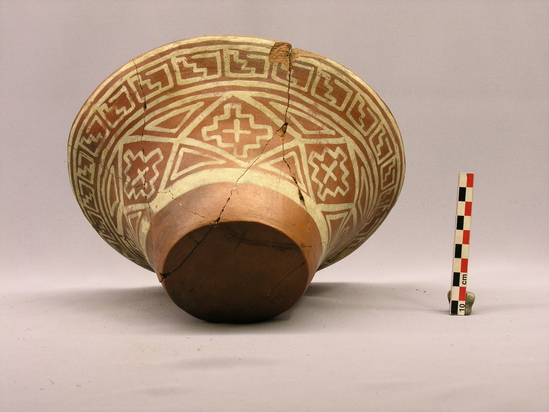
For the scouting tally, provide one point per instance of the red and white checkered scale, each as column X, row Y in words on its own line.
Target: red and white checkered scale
column 458, row 293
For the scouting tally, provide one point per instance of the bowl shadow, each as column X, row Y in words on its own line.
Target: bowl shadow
column 325, row 304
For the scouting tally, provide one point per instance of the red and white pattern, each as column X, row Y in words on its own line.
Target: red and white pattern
column 211, row 109
column 458, row 292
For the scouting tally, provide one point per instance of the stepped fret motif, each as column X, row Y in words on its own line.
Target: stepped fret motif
column 217, row 104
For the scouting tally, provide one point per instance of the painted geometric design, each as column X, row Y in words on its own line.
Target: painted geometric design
column 191, row 67
column 242, row 64
column 117, row 107
column 144, row 168
column 189, row 160
column 288, row 165
column 112, row 193
column 86, row 195
column 329, row 173
column 86, row 167
column 237, row 131
column 310, row 127
column 155, row 81
column 301, row 79
column 339, row 226
column 331, row 90
column 216, row 104
column 460, row 269
column 382, row 144
column 362, row 115
column 173, row 120
column 96, row 132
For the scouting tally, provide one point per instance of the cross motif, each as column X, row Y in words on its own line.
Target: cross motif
column 236, row 130
column 329, row 171
column 319, row 163
column 146, row 172
column 244, row 137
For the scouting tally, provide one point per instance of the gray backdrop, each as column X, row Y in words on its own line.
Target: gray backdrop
column 468, row 82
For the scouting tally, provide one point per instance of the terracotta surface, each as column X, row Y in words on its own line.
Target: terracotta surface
column 235, row 167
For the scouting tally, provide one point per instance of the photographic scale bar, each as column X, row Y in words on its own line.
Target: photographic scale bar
column 461, row 301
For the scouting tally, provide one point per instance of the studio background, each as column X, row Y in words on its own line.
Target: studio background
column 468, row 83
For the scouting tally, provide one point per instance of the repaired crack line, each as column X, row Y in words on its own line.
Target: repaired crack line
column 282, row 280
column 278, row 246
column 281, row 132
column 165, row 275
column 242, row 175
column 216, row 221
